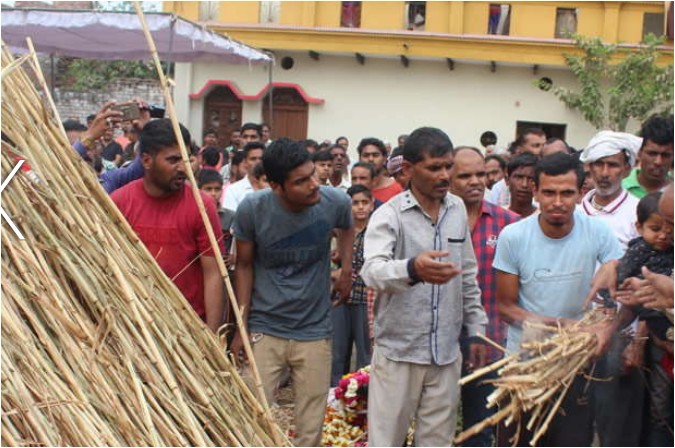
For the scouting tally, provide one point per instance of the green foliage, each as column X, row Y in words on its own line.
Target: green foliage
column 87, row 74
column 636, row 86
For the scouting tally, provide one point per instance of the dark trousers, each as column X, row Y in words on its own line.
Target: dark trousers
column 474, row 397
column 574, row 427
column 617, row 400
column 350, row 327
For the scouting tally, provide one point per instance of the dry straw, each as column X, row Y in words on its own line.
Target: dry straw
column 99, row 347
column 533, row 383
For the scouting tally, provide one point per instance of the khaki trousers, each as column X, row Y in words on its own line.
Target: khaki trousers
column 399, row 391
column 310, row 365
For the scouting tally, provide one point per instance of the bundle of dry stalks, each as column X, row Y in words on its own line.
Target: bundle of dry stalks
column 99, row 347
column 534, row 382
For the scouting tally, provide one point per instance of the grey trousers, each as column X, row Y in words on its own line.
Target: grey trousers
column 401, row 391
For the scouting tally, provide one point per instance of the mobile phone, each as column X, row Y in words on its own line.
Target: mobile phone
column 130, row 110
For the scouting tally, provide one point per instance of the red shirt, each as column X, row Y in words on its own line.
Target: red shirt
column 385, row 193
column 173, row 231
column 484, row 237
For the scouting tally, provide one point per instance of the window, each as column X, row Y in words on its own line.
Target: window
column 499, row 19
column 351, row 15
column 269, row 12
column 653, row 22
column 208, row 11
column 565, row 22
column 415, row 16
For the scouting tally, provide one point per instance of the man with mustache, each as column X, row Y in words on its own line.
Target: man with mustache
column 420, row 260
column 610, row 156
column 618, row 400
column 655, row 157
column 162, row 210
column 283, row 278
column 486, row 221
column 545, row 267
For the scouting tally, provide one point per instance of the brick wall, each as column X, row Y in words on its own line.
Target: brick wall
column 77, row 105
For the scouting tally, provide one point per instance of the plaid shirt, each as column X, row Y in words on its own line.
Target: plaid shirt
column 484, row 235
column 359, row 293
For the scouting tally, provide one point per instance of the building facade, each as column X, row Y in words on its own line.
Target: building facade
column 382, row 69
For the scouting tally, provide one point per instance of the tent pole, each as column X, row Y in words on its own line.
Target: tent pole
column 270, row 118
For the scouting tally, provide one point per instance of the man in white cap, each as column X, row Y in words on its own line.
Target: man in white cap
column 617, row 402
column 611, row 155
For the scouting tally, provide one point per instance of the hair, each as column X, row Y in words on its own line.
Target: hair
column 557, row 164
column 500, row 160
column 520, row 141
column 327, row 146
column 207, row 177
column 488, row 138
column 332, row 147
column 402, row 136
column 657, row 129
column 251, row 146
column 235, row 130
column 469, row 148
column 358, row 188
column 91, row 117
column 258, row 171
column 342, row 137
column 237, row 158
column 265, row 125
column 309, row 142
column 193, row 149
column 73, row 125
column 209, row 131
column 521, row 160
column 398, row 151
column 369, row 166
column 210, row 156
column 555, row 139
column 322, row 156
column 374, row 142
column 255, row 126
column 648, row 206
column 426, row 141
column 282, row 157
column 158, row 134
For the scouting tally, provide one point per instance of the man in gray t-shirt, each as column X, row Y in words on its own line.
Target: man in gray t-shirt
column 283, row 278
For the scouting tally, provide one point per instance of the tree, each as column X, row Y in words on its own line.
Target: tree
column 635, row 87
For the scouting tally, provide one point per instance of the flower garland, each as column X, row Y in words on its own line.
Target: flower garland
column 346, row 422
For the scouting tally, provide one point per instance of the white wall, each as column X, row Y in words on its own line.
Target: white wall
column 384, row 99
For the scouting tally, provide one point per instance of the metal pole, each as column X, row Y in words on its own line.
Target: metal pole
column 270, row 92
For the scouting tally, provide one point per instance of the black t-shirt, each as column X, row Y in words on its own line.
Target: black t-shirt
column 111, row 151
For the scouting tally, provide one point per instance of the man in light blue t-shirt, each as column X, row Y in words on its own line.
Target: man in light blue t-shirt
column 545, row 270
column 283, row 279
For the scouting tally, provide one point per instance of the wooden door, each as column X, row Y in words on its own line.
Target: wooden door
column 222, row 112
column 290, row 113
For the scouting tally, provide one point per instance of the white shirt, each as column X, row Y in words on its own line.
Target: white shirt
column 500, row 194
column 236, row 193
column 620, row 214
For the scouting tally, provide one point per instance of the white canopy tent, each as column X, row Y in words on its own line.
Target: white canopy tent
column 119, row 35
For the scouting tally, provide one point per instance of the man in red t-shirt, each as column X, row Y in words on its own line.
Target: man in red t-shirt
column 163, row 212
column 372, row 150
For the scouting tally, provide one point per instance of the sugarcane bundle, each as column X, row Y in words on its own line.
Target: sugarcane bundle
column 532, row 384
column 99, row 347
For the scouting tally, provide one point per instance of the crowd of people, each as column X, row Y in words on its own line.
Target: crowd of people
column 411, row 255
